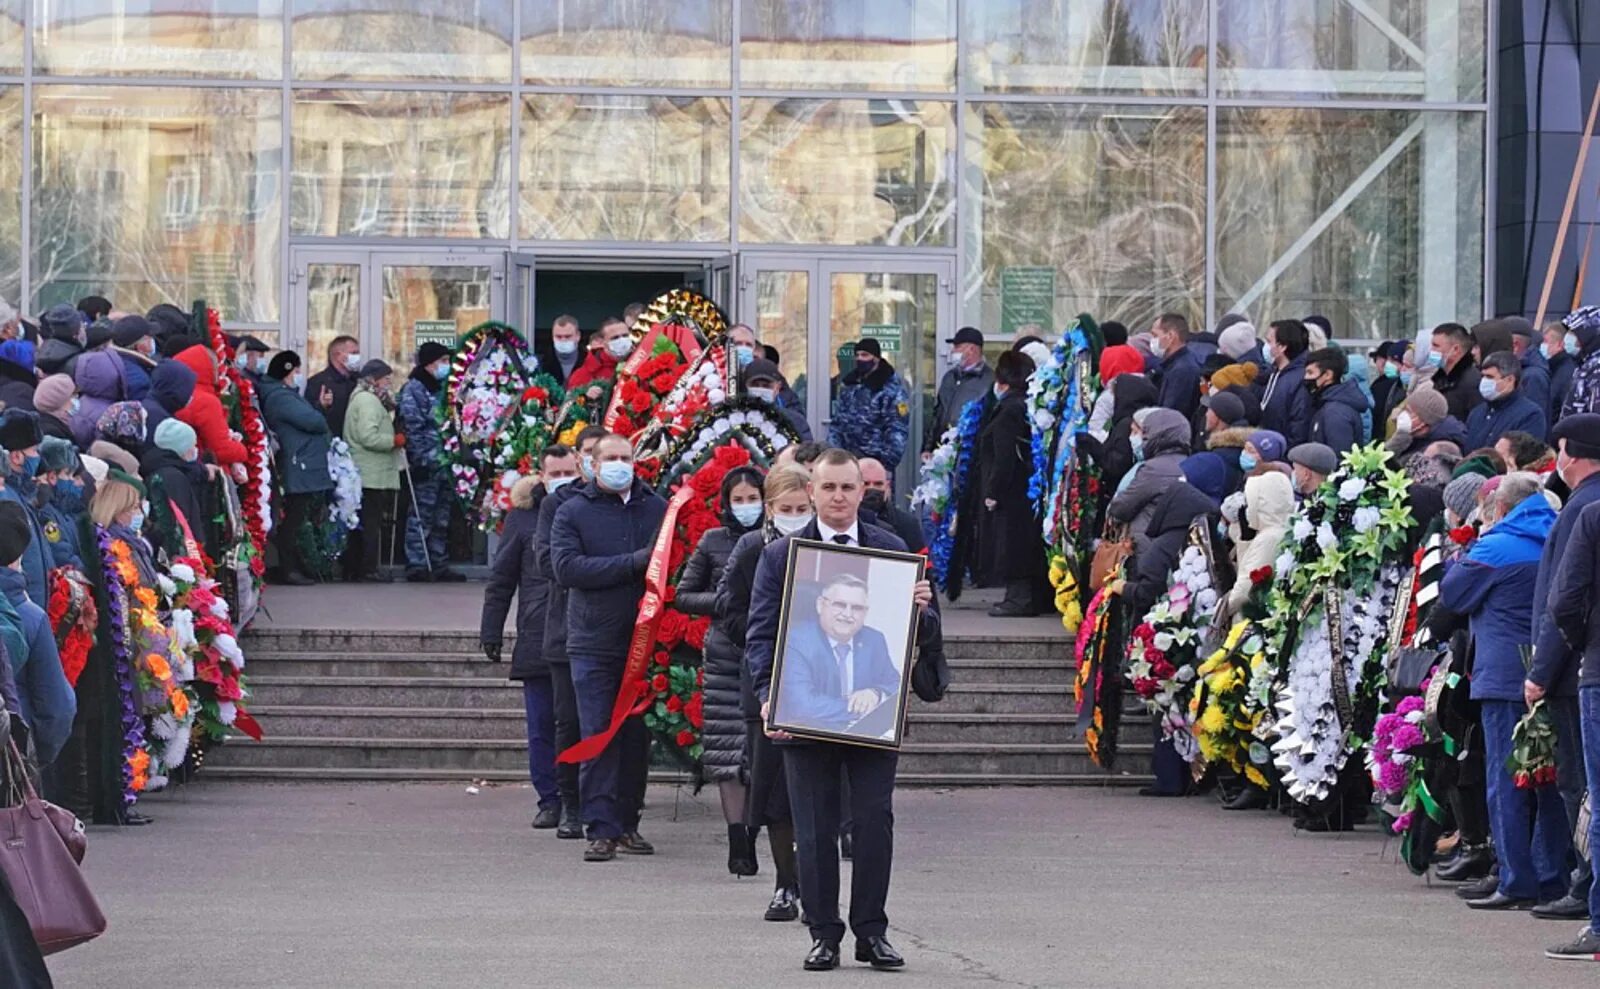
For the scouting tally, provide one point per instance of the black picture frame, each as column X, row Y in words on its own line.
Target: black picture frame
column 877, row 607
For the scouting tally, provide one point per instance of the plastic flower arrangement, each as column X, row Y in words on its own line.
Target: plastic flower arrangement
column 518, row 444
column 161, row 672
column 1097, row 690
column 1064, row 485
column 135, row 763
column 1395, row 764
column 490, row 371
column 1164, row 649
column 944, row 481
column 202, row 629
column 755, row 426
column 344, row 508
column 244, row 413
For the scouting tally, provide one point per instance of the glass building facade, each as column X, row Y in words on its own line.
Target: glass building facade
column 826, row 168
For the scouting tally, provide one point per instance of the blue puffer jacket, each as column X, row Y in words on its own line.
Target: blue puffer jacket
column 424, row 443
column 599, row 548
column 1488, row 421
column 37, row 558
column 46, row 698
column 872, row 417
column 1493, row 585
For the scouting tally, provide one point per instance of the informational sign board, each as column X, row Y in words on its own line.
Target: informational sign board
column 437, row 330
column 1027, row 298
column 888, row 336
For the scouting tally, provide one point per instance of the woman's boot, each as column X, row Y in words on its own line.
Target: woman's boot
column 741, row 851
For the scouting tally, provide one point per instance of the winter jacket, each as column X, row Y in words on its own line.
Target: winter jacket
column 1268, row 505
column 1179, row 379
column 599, row 366
column 1009, row 533
column 1459, row 386
column 733, row 606
column 1336, row 416
column 185, row 484
column 37, row 558
column 171, row 388
column 1150, row 572
column 1574, row 607
column 549, row 362
column 515, row 574
column 1492, row 420
column 1562, row 366
column 1133, row 392
column 599, row 548
column 796, row 420
column 1361, row 374
column 1285, row 404
column 1493, row 585
column 872, row 415
column 47, row 700
column 723, row 732
column 341, row 387
column 1534, row 384
column 1409, row 449
column 369, row 429
column 57, row 356
column 1166, row 443
column 956, row 389
column 16, row 386
column 1583, row 395
column 205, row 412
column 302, row 435
column 898, row 521
column 1555, row 662
column 136, row 370
column 100, row 384
column 424, row 442
column 1227, row 444
column 60, row 518
column 555, row 614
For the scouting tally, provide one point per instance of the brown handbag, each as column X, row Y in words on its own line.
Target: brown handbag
column 1109, row 557
column 39, row 868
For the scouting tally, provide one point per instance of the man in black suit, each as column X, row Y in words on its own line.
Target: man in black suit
column 839, row 669
column 815, row 769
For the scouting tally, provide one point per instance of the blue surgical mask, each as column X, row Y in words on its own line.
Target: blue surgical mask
column 1391, row 370
column 66, row 487
column 745, row 353
column 616, row 475
column 441, row 370
column 999, row 392
column 554, row 484
column 30, row 465
column 1137, row 442
column 1569, row 343
column 1548, row 351
column 1489, row 389
column 1435, row 359
column 586, row 466
column 74, row 406
column 299, row 380
column 566, row 348
column 1406, row 377
column 137, row 522
column 242, row 361
column 747, row 515
column 1247, row 461
column 620, row 347
column 768, row 395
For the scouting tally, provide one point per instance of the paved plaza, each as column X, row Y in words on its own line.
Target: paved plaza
column 253, row 885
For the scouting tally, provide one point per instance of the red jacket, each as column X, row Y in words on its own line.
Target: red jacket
column 598, row 366
column 205, row 412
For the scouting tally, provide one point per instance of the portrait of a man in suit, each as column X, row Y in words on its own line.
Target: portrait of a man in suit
column 837, row 671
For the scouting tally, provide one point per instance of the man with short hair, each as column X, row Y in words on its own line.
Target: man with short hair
column 1562, row 363
column 815, row 769
column 1336, row 402
column 1285, row 405
column 872, row 417
column 968, row 378
column 616, row 343
column 878, row 507
column 1178, row 377
column 1309, row 465
column 600, row 545
column 565, row 355
column 762, row 382
column 631, row 313
column 1455, row 374
column 1534, row 381
column 329, row 390
column 745, row 344
column 1504, row 407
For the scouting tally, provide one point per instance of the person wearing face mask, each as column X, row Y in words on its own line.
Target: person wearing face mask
column 1285, row 404
column 1387, row 388
column 133, row 342
column 878, row 507
column 1504, row 408
column 762, row 380
column 171, row 470
column 250, row 357
column 1178, row 376
column 967, row 378
column 872, row 416
column 1452, row 368
column 564, row 355
column 1562, row 364
column 1424, row 419
column 302, row 461
column 1160, row 441
column 427, row 557
column 1310, row 464
column 746, row 347
column 1534, row 381
column 1582, row 342
column 600, row 545
column 723, row 735
column 61, row 500
column 1337, row 403
column 20, row 438
column 515, row 574
column 615, row 346
column 56, row 399
column 369, row 429
column 330, row 389
column 1005, row 542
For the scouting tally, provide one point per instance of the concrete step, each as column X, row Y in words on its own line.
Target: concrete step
column 303, row 640
column 432, row 692
column 984, row 758
column 339, row 775
column 367, row 665
column 971, row 697
column 925, row 725
column 311, row 721
column 1001, row 669
column 1057, row 652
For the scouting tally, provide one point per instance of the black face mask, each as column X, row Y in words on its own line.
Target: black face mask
column 865, row 367
column 874, row 501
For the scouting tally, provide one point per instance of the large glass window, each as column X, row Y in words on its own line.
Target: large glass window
column 846, row 171
column 1094, row 46
column 1074, row 208
column 11, row 36
column 149, row 195
column 11, row 194
column 1373, row 219
column 627, row 42
column 645, row 168
column 239, row 39
column 848, row 44
column 398, row 164
column 402, row 39
column 1373, row 49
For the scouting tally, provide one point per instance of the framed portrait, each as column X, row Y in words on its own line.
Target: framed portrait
column 847, row 634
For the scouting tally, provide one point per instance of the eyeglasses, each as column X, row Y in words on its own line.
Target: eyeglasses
column 845, row 607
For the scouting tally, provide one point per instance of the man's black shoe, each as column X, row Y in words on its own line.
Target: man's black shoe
column 1479, row 888
column 847, row 846
column 1009, row 609
column 824, row 956
column 448, row 576
column 547, row 818
column 570, row 826
column 601, row 850
column 1249, row 798
column 1499, row 901
column 1472, row 863
column 1565, row 908
column 785, row 905
column 633, row 843
column 878, row 952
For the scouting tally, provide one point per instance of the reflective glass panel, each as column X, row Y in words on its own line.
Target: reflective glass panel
column 232, row 39
column 900, row 311
column 627, row 42
column 846, row 171
column 782, row 319
column 422, row 292
column 333, row 308
column 848, row 44
column 11, row 195
column 635, row 168
column 147, row 195
column 1372, row 49
column 1093, row 46
column 395, row 164
column 402, row 39
column 11, row 36
column 1374, row 219
column 1073, row 208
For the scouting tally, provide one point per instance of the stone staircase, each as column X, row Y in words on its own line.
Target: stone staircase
column 408, row 706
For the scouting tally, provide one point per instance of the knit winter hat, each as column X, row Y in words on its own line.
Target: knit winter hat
column 1428, row 405
column 1237, row 340
column 175, row 435
column 1235, row 375
column 431, row 351
column 56, row 453
column 14, row 532
column 96, row 467
column 283, row 364
column 54, row 394
column 1270, row 443
column 375, row 369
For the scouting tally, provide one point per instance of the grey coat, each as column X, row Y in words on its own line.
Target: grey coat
column 1166, row 443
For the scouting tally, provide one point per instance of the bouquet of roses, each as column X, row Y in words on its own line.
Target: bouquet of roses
column 1532, row 761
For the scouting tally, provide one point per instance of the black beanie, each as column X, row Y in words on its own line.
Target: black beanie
column 19, row 429
column 431, row 351
column 14, row 532
column 283, row 365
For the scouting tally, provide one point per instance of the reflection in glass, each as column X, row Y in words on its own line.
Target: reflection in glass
column 401, row 39
column 430, row 292
column 11, row 195
column 149, row 195
column 1095, row 46
column 627, row 42
column 846, row 171
column 333, row 308
column 1113, row 198
column 1374, row 219
column 783, row 315
column 1375, row 49
column 900, row 45
column 11, row 36
column 239, row 39
column 633, row 168
column 902, row 313
column 397, row 164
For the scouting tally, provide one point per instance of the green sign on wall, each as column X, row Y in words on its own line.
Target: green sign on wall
column 437, row 330
column 1027, row 297
column 888, row 336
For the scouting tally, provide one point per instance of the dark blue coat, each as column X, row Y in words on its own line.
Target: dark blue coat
column 515, row 574
column 1561, row 368
column 58, row 517
column 1494, row 585
column 171, row 386
column 1488, row 421
column 47, row 701
column 1554, row 667
column 1534, row 384
column 136, row 370
column 1336, row 416
column 37, row 558
column 555, row 611
column 1574, row 606
column 1179, row 382
column 599, row 548
column 1285, row 404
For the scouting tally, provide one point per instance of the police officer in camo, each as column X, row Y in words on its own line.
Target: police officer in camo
column 872, row 418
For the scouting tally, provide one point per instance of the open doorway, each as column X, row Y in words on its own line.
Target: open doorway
column 591, row 289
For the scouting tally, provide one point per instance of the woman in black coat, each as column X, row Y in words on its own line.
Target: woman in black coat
column 1010, row 538
column 1131, row 392
column 722, row 734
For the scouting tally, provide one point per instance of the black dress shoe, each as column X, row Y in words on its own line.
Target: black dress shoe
column 134, row 819
column 1249, row 798
column 601, row 850
column 785, row 905
column 570, row 826
column 1479, row 888
column 1499, row 901
column 448, row 576
column 633, row 843
column 1473, row 863
column 878, row 952
column 1564, row 908
column 547, row 818
column 824, row 956
column 296, row 579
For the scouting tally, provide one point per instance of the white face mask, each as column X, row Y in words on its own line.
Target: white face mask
column 554, row 484
column 1402, row 422
column 352, row 362
column 299, row 380
column 791, row 524
column 620, row 347
column 566, row 347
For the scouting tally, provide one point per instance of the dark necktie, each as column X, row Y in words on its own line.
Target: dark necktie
column 842, row 539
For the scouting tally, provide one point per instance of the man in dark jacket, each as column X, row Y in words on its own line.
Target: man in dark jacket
column 1534, row 382
column 329, row 390
column 600, row 544
column 1285, row 405
column 877, row 501
column 1505, row 407
column 20, row 438
column 554, row 638
column 1562, row 364
column 44, row 696
column 1179, row 375
column 1227, row 429
column 1009, row 545
column 871, row 417
column 516, row 574
column 63, row 334
column 133, row 341
column 427, row 556
column 1553, row 674
column 1456, row 373
column 303, row 441
column 565, row 353
column 1336, row 401
column 816, row 769
column 968, row 377
column 762, row 381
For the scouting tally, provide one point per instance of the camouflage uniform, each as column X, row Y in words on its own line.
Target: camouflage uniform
column 872, row 417
column 429, row 480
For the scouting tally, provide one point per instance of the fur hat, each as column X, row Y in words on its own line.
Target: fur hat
column 15, row 533
column 56, row 453
column 19, row 429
